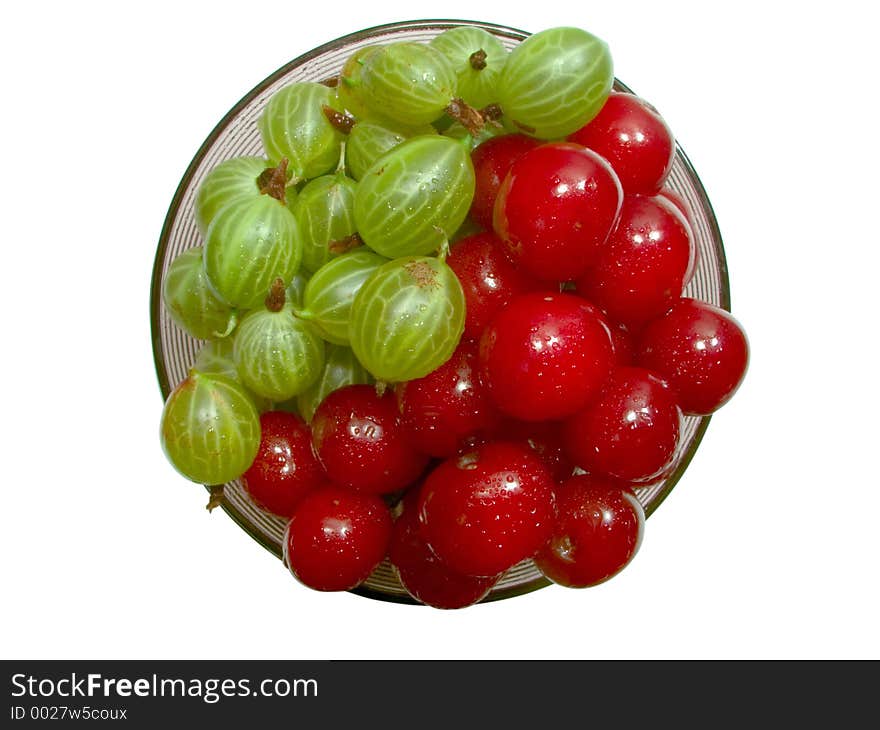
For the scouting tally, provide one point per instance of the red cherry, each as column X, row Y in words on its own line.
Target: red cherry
column 488, row 277
column 634, row 138
column 555, row 209
column 641, row 271
column 485, row 511
column 598, row 530
column 440, row 411
column 336, row 538
column 701, row 350
column 685, row 209
column 630, row 432
column 545, row 356
column 545, row 439
column 679, row 203
column 492, row 160
column 422, row 574
column 359, row 440
column 621, row 337
column 285, row 468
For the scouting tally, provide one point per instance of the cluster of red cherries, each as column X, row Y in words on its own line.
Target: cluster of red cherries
column 579, row 359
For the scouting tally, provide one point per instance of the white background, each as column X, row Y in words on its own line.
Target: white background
column 767, row 548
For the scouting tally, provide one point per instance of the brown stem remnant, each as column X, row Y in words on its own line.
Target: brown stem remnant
column 492, row 113
column 332, row 82
column 344, row 245
column 216, row 497
column 277, row 296
column 464, row 113
column 422, row 274
column 478, row 60
column 341, row 121
column 273, row 181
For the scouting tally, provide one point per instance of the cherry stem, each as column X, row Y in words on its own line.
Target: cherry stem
column 381, row 387
column 273, row 181
column 216, row 498
column 277, row 296
column 466, row 115
column 341, row 121
column 478, row 60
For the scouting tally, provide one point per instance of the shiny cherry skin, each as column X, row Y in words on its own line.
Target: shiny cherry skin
column 545, row 356
column 634, row 138
column 492, row 160
column 486, row 510
column 555, row 209
column 285, row 468
column 701, row 350
column 420, row 571
column 337, row 538
column 545, row 439
column 488, row 278
column 679, row 203
column 687, row 212
column 632, row 430
column 621, row 337
column 360, row 442
column 641, row 271
column 598, row 531
column 442, row 410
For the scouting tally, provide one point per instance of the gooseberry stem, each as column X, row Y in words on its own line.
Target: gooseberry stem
column 273, row 181
column 344, row 245
column 216, row 497
column 230, row 325
column 477, row 60
column 466, row 115
column 443, row 251
column 341, row 121
column 276, row 297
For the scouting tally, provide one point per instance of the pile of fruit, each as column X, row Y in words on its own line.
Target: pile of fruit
column 442, row 320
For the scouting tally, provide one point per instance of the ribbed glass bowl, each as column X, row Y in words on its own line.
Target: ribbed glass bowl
column 236, row 135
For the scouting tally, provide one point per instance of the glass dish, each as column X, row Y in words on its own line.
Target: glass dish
column 236, row 134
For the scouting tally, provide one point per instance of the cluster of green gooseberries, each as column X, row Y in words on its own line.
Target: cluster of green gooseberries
column 322, row 264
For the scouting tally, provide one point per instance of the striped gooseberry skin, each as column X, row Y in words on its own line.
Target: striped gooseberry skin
column 190, row 301
column 477, row 87
column 215, row 357
column 341, row 368
column 229, row 180
column 277, row 354
column 413, row 198
column 210, row 428
column 250, row 243
column 330, row 291
column 295, row 288
column 412, row 83
column 293, row 126
column 324, row 210
column 369, row 140
column 555, row 81
column 407, row 319
column 349, row 87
